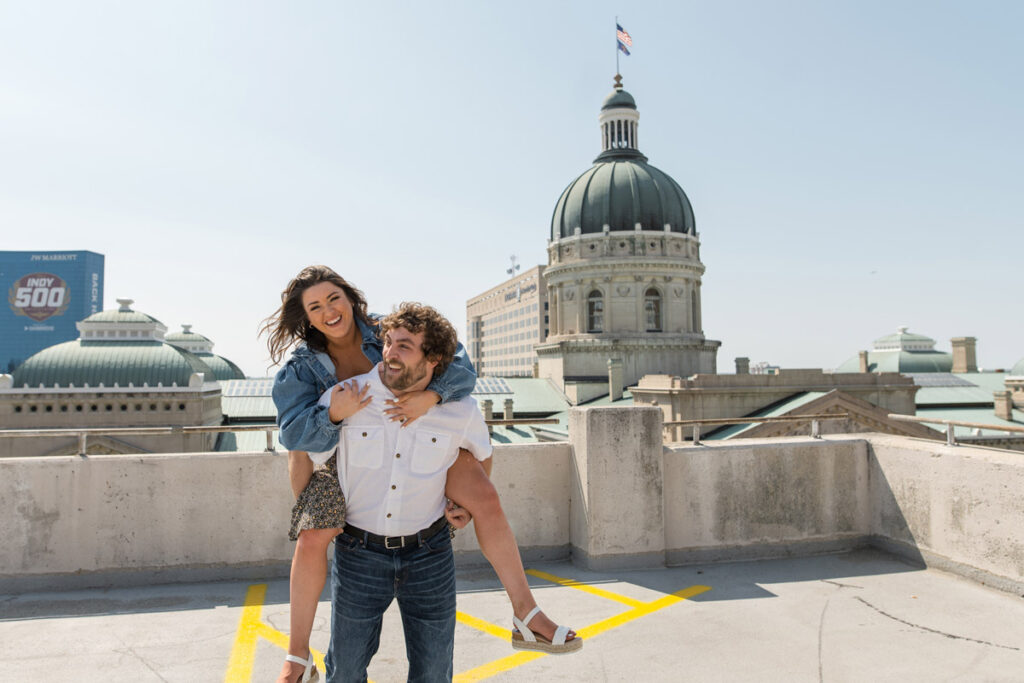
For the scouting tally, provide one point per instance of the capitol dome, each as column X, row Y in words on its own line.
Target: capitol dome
column 621, row 191
column 116, row 348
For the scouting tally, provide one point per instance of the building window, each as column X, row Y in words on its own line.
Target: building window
column 595, row 312
column 652, row 309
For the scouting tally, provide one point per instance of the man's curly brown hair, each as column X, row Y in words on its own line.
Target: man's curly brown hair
column 439, row 337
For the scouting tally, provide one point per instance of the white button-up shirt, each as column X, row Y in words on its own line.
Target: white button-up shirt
column 393, row 477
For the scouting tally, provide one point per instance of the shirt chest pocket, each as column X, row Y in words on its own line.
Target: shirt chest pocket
column 364, row 446
column 430, row 452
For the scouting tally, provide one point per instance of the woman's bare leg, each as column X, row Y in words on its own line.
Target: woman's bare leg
column 300, row 471
column 309, row 573
column 469, row 486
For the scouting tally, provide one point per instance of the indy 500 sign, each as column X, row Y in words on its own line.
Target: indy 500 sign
column 39, row 296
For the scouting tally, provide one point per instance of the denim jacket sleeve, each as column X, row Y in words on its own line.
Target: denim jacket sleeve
column 305, row 425
column 458, row 379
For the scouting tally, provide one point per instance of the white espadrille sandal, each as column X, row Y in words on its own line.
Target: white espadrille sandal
column 310, row 674
column 525, row 639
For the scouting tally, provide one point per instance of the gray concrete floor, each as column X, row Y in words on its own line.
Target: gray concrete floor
column 860, row 616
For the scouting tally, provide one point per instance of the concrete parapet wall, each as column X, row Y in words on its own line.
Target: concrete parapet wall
column 75, row 516
column 758, row 498
column 613, row 496
column 534, row 483
column 117, row 519
column 955, row 507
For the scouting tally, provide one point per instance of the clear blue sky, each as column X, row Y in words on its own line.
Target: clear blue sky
column 852, row 166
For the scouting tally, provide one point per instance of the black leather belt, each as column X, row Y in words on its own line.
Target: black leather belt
column 397, row 542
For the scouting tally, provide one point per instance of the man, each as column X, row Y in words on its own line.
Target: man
column 396, row 542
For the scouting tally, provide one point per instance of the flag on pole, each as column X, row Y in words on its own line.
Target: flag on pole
column 622, row 48
column 624, row 38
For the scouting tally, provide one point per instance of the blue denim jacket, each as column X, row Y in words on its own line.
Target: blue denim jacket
column 306, row 426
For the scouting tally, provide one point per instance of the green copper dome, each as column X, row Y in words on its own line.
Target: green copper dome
column 1018, row 369
column 120, row 362
column 617, row 99
column 903, row 351
column 221, row 367
column 621, row 190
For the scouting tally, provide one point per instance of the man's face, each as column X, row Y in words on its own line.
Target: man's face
column 405, row 365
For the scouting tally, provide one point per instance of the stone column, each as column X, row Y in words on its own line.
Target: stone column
column 862, row 361
column 742, row 365
column 617, row 517
column 508, row 409
column 552, row 313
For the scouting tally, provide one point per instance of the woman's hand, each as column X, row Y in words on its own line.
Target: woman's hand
column 457, row 516
column 347, row 399
column 409, row 407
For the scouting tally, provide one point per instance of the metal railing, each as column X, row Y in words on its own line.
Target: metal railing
column 815, row 421
column 950, row 436
column 83, row 433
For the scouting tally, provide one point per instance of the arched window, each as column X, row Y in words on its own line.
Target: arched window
column 595, row 312
column 652, row 310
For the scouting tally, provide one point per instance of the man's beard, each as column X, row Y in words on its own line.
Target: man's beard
column 406, row 378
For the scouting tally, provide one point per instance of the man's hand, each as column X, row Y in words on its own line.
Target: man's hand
column 347, row 399
column 457, row 516
column 408, row 407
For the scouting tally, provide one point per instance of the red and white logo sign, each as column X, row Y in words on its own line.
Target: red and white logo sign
column 39, row 296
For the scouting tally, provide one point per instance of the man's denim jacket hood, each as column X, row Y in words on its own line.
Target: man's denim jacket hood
column 306, row 426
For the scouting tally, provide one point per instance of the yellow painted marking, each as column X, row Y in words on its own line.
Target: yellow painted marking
column 639, row 609
column 570, row 583
column 642, row 611
column 243, row 652
column 497, row 666
column 485, row 626
column 250, row 628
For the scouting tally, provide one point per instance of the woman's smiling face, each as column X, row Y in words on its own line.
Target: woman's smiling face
column 329, row 310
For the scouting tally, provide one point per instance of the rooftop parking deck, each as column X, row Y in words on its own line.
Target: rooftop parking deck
column 856, row 616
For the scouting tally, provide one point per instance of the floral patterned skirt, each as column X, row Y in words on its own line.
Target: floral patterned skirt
column 321, row 505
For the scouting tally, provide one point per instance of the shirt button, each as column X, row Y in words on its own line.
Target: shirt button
column 393, row 487
column 364, row 433
column 398, row 455
column 389, row 515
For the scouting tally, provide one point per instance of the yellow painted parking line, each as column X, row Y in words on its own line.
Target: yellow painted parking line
column 641, row 611
column 497, row 666
column 250, row 629
column 571, row 583
column 485, row 626
column 243, row 652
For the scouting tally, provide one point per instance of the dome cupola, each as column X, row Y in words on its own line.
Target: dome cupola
column 621, row 191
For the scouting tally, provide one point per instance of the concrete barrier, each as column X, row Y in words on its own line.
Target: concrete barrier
column 611, row 497
column 750, row 498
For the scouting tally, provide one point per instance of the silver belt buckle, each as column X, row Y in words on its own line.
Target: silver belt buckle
column 387, row 542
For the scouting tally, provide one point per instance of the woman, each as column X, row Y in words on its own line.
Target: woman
column 338, row 341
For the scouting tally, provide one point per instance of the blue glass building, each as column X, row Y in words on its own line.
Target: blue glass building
column 47, row 293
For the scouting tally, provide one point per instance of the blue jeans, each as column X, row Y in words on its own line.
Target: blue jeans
column 364, row 581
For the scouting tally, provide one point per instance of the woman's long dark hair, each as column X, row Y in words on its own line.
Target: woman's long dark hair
column 289, row 323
